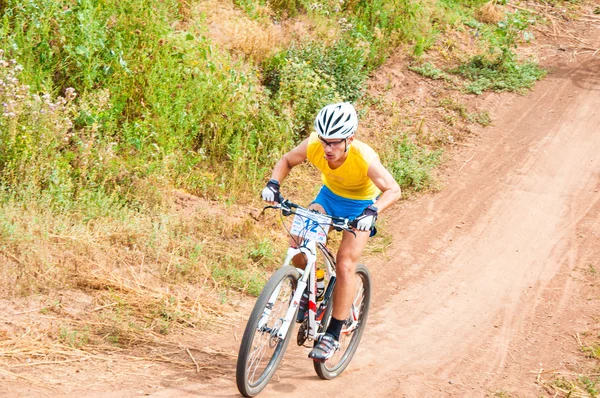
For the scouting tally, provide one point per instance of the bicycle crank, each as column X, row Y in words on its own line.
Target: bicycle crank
column 303, row 332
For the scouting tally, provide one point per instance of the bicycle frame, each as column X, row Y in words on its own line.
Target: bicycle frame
column 308, row 278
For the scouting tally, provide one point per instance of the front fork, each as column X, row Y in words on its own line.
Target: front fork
column 283, row 324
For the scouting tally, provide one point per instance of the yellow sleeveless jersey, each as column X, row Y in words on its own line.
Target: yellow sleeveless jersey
column 350, row 180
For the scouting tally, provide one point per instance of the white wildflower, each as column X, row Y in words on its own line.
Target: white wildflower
column 70, row 93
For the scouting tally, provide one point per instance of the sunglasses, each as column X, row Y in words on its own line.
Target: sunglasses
column 331, row 143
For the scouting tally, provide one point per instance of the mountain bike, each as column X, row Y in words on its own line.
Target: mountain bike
column 270, row 325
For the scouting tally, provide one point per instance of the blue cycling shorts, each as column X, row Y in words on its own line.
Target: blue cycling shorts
column 339, row 206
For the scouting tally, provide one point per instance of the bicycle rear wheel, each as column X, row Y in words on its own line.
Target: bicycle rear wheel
column 352, row 330
column 261, row 350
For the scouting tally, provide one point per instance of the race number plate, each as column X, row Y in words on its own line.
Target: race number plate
column 311, row 225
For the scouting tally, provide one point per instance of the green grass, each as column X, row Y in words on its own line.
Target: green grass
column 247, row 280
column 481, row 117
column 498, row 68
column 74, row 338
column 110, row 105
column 134, row 106
column 582, row 386
column 484, row 75
column 592, row 351
column 150, row 100
column 427, row 69
column 411, row 165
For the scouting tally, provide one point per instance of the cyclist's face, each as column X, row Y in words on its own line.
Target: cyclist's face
column 335, row 149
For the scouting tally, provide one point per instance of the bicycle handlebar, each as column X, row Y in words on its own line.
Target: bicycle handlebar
column 288, row 207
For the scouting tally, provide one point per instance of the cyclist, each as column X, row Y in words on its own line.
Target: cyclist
column 355, row 186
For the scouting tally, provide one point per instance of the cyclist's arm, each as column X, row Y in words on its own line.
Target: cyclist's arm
column 290, row 160
column 390, row 190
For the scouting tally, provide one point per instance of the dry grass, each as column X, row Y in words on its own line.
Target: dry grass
column 113, row 290
column 490, row 13
column 56, row 343
column 569, row 384
column 259, row 38
column 119, row 290
column 232, row 29
column 429, row 117
column 75, row 289
column 560, row 24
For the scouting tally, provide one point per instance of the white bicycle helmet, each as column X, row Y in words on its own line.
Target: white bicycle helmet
column 337, row 121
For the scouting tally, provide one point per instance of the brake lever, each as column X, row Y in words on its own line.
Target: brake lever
column 285, row 209
column 269, row 207
column 345, row 227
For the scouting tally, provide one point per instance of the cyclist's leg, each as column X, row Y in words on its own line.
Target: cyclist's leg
column 350, row 249
column 348, row 255
column 343, row 295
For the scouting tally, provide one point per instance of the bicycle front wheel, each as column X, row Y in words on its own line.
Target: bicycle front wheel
column 261, row 349
column 352, row 330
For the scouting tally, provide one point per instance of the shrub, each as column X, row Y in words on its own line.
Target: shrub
column 303, row 79
column 176, row 107
column 499, row 76
column 36, row 148
column 411, row 165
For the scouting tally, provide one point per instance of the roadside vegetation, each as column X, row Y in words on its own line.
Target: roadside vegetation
column 134, row 140
column 498, row 67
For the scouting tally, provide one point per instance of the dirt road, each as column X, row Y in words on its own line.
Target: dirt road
column 478, row 269
column 481, row 291
column 494, row 242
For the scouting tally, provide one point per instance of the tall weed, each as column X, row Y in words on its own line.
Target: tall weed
column 175, row 105
column 500, row 69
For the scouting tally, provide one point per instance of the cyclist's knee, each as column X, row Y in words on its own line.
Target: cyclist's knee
column 345, row 269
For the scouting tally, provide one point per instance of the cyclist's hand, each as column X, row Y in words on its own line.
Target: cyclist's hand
column 366, row 220
column 271, row 192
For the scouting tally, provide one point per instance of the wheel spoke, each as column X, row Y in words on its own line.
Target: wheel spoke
column 265, row 344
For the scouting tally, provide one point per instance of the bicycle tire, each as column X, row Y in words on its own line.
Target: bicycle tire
column 350, row 336
column 256, row 343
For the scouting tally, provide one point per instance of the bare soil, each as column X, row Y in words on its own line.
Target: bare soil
column 490, row 287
